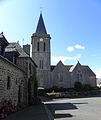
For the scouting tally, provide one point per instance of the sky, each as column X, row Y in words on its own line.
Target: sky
column 74, row 27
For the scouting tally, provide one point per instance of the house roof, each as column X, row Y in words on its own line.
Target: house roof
column 74, row 66
column 68, row 67
column 52, row 67
column 87, row 69
column 41, row 26
column 10, row 48
column 16, row 47
column 71, row 68
column 3, row 40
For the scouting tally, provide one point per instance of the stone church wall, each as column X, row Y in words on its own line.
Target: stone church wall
column 60, row 76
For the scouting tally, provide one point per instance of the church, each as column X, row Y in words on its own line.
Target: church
column 19, row 71
column 59, row 75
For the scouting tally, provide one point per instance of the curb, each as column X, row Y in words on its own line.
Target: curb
column 49, row 114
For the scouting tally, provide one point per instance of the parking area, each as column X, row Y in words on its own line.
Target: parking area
column 75, row 109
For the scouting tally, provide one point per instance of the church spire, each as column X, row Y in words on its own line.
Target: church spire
column 41, row 26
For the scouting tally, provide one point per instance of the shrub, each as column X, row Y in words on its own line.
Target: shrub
column 55, row 88
column 87, row 87
column 41, row 91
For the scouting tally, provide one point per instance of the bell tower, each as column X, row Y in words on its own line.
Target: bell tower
column 41, row 53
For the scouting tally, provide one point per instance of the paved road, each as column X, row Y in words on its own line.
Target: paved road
column 76, row 109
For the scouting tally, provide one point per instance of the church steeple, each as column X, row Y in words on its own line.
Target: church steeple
column 41, row 53
column 41, row 26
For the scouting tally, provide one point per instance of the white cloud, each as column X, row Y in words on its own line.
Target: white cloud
column 56, row 59
column 79, row 47
column 77, row 57
column 70, row 48
column 98, row 73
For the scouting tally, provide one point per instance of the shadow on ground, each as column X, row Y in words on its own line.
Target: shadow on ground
column 81, row 103
column 62, row 115
column 61, row 106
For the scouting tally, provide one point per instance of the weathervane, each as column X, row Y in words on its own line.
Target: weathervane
column 41, row 8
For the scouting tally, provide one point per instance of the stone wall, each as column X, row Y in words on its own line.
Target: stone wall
column 12, row 82
column 60, row 76
column 28, row 65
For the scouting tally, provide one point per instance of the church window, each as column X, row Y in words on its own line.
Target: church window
column 60, row 77
column 8, row 82
column 79, row 75
column 30, row 70
column 41, row 64
column 44, row 47
column 37, row 46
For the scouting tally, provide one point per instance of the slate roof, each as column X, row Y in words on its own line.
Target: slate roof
column 16, row 47
column 87, row 69
column 74, row 66
column 3, row 40
column 67, row 67
column 11, row 48
column 52, row 67
column 41, row 26
column 70, row 68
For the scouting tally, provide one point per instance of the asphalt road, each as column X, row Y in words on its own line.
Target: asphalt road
column 76, row 109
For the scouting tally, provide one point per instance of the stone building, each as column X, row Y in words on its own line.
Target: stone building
column 60, row 75
column 17, row 73
column 41, row 53
column 25, row 62
column 18, row 70
column 12, row 78
column 12, row 82
column 66, row 75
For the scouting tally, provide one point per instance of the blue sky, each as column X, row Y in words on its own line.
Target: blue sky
column 74, row 26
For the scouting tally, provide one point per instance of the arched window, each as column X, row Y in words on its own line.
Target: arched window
column 79, row 75
column 44, row 47
column 37, row 46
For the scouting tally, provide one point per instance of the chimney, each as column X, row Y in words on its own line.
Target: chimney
column 27, row 49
